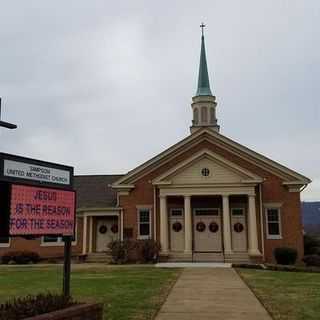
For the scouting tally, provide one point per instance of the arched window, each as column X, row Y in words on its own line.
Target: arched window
column 204, row 115
column 212, row 116
column 195, row 116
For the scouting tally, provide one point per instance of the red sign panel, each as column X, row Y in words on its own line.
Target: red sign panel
column 41, row 211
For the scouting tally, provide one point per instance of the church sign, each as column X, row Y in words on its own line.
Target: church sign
column 41, row 211
column 36, row 197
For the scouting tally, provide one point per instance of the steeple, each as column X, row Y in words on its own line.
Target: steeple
column 204, row 102
column 203, row 79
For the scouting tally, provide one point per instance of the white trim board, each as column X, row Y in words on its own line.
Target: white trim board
column 223, row 142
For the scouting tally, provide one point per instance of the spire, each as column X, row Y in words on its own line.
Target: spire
column 204, row 103
column 203, row 79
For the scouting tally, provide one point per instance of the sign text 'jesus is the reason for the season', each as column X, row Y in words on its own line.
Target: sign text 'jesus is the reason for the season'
column 41, row 211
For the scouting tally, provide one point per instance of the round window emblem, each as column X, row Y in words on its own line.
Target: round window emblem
column 200, row 227
column 177, row 226
column 213, row 227
column 238, row 227
column 205, row 172
column 114, row 228
column 103, row 229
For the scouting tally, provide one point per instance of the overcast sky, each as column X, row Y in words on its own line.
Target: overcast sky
column 105, row 85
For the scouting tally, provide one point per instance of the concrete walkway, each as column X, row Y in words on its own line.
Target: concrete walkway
column 203, row 293
column 193, row 265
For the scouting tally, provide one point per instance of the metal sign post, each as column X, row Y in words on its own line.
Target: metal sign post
column 67, row 266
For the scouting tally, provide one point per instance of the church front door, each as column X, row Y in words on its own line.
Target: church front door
column 107, row 231
column 207, row 230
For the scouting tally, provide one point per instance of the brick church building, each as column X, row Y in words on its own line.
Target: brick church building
column 206, row 198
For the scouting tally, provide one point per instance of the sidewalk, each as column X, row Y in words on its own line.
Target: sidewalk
column 216, row 294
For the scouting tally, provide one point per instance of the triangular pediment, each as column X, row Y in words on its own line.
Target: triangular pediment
column 206, row 167
column 216, row 139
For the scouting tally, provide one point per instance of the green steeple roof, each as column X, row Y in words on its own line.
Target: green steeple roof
column 203, row 80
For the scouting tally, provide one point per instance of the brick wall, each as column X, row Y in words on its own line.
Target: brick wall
column 272, row 191
column 78, row 312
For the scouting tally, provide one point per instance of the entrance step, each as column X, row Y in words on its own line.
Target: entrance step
column 237, row 257
column 179, row 257
column 99, row 257
column 208, row 257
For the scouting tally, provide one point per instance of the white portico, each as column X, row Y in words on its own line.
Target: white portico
column 208, row 210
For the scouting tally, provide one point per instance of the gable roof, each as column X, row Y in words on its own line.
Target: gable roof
column 207, row 154
column 226, row 143
column 94, row 191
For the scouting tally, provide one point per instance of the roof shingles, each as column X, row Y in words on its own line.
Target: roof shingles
column 94, row 191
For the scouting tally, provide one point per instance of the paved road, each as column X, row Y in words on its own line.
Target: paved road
column 204, row 293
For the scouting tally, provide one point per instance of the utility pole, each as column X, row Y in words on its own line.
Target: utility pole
column 4, row 124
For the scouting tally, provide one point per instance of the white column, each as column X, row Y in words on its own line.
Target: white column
column 253, row 249
column 163, row 224
column 84, row 235
column 187, row 225
column 90, row 233
column 226, row 225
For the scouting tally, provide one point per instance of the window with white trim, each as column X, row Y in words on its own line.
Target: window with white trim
column 51, row 239
column 144, row 222
column 206, row 211
column 195, row 116
column 212, row 116
column 273, row 223
column 176, row 212
column 204, row 114
column 237, row 211
column 57, row 241
column 4, row 242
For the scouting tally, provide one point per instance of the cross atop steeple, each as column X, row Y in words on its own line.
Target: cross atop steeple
column 202, row 25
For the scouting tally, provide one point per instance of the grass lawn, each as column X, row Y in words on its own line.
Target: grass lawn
column 127, row 292
column 286, row 295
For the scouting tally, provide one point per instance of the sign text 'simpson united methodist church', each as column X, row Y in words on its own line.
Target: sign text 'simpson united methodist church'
column 29, row 171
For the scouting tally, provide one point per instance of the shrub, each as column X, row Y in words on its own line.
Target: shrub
column 310, row 243
column 120, row 250
column 314, row 250
column 285, row 256
column 134, row 251
column 312, row 260
column 20, row 257
column 248, row 266
column 149, row 250
column 30, row 306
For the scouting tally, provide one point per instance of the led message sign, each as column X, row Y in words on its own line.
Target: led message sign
column 41, row 211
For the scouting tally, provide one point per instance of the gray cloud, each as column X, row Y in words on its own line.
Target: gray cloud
column 104, row 86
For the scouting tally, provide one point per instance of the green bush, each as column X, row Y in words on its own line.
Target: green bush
column 149, row 250
column 120, row 250
column 312, row 260
column 310, row 244
column 314, row 250
column 285, row 256
column 29, row 306
column 134, row 251
column 20, row 257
